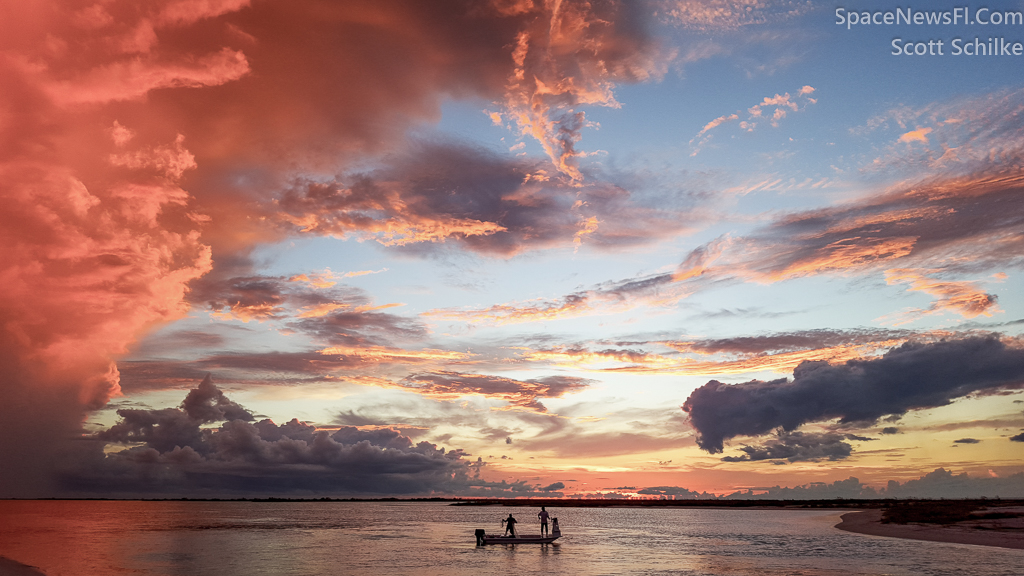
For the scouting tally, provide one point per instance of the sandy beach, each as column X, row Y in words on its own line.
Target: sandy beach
column 1003, row 532
column 9, row 567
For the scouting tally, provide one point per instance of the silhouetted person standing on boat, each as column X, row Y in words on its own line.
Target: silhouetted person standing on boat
column 543, row 515
column 510, row 525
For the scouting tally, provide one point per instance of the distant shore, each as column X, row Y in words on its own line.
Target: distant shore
column 654, row 503
column 835, row 503
column 999, row 532
column 9, row 567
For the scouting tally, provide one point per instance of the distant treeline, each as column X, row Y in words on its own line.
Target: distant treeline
column 969, row 504
column 643, row 503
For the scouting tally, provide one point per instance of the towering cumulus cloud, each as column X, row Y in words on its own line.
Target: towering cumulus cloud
column 173, row 454
column 145, row 150
column 99, row 237
column 912, row 376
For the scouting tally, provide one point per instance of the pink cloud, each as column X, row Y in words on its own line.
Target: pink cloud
column 778, row 106
column 964, row 298
column 570, row 56
column 919, row 135
column 132, row 79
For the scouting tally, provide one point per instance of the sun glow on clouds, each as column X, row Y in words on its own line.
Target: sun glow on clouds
column 961, row 297
column 919, row 135
column 382, row 354
column 633, row 362
column 151, row 151
column 771, row 108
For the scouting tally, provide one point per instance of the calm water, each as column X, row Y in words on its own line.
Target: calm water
column 311, row 539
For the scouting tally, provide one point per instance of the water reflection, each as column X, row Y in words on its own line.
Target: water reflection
column 315, row 538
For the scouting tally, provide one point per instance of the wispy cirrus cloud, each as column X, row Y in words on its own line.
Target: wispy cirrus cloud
column 959, row 136
column 770, row 109
column 780, row 352
column 724, row 15
column 610, row 297
column 629, row 362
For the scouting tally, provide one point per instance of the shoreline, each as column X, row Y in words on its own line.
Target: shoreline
column 10, row 567
column 998, row 533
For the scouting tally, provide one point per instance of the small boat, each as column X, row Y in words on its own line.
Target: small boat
column 483, row 538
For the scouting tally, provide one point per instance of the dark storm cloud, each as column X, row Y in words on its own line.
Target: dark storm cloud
column 168, row 428
column 676, row 491
column 942, row 483
column 206, row 404
column 553, row 487
column 939, row 483
column 178, row 455
column 1017, row 438
column 912, row 376
column 890, row 430
column 796, row 447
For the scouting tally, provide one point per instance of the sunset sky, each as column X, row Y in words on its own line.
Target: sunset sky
column 510, row 248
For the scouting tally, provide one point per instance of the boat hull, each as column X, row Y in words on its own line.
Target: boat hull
column 517, row 540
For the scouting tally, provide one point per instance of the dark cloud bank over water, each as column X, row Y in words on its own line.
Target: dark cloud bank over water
column 172, row 453
column 940, row 483
column 911, row 377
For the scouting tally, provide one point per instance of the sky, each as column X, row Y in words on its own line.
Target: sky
column 511, row 248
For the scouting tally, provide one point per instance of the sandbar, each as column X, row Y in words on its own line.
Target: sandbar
column 1003, row 532
column 9, row 567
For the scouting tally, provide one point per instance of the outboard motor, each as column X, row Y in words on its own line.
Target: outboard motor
column 555, row 531
column 480, row 533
